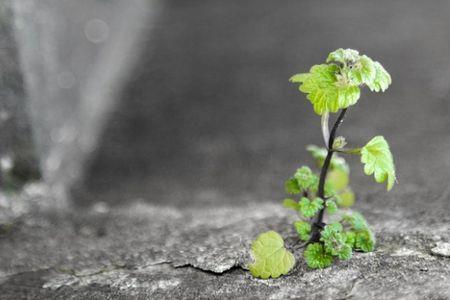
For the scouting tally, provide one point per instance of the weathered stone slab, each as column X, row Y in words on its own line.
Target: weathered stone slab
column 148, row 251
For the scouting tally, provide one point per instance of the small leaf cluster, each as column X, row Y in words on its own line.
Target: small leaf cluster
column 304, row 184
column 340, row 238
column 336, row 84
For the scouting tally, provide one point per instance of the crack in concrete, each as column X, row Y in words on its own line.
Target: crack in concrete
column 117, row 267
column 207, row 271
column 73, row 272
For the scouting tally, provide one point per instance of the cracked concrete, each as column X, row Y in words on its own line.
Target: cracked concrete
column 148, row 251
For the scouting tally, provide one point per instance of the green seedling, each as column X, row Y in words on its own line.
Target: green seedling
column 329, row 229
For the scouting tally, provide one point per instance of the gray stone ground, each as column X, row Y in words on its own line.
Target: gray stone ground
column 190, row 167
column 144, row 251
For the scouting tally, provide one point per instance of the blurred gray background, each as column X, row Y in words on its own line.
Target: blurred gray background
column 203, row 111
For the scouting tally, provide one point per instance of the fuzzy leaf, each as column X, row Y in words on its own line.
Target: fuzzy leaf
column 336, row 85
column 356, row 221
column 315, row 186
column 329, row 190
column 303, row 229
column 346, row 198
column 304, row 177
column 271, row 257
column 291, row 186
column 338, row 179
column 331, row 207
column 308, row 208
column 377, row 159
column 343, row 55
column 365, row 240
column 334, row 240
column 363, row 71
column 348, row 95
column 350, row 238
column 290, row 203
column 382, row 79
column 362, row 236
column 316, row 256
column 324, row 91
column 299, row 78
column 345, row 253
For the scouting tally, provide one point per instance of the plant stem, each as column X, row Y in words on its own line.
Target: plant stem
column 318, row 224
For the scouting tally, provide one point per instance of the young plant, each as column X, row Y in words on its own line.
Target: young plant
column 331, row 87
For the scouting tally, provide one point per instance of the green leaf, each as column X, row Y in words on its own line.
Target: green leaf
column 291, row 186
column 363, row 71
column 346, row 198
column 365, row 240
column 356, row 221
column 290, row 203
column 320, row 87
column 350, row 238
column 329, row 190
column 338, row 179
column 382, row 79
column 304, row 177
column 345, row 253
column 309, row 208
column 316, row 256
column 348, row 95
column 303, row 229
column 331, row 207
column 323, row 89
column 377, row 159
column 319, row 154
column 271, row 257
column 330, row 87
column 315, row 186
column 334, row 240
column 343, row 56
column 299, row 78
column 360, row 236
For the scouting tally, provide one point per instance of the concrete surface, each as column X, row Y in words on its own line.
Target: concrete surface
column 144, row 251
